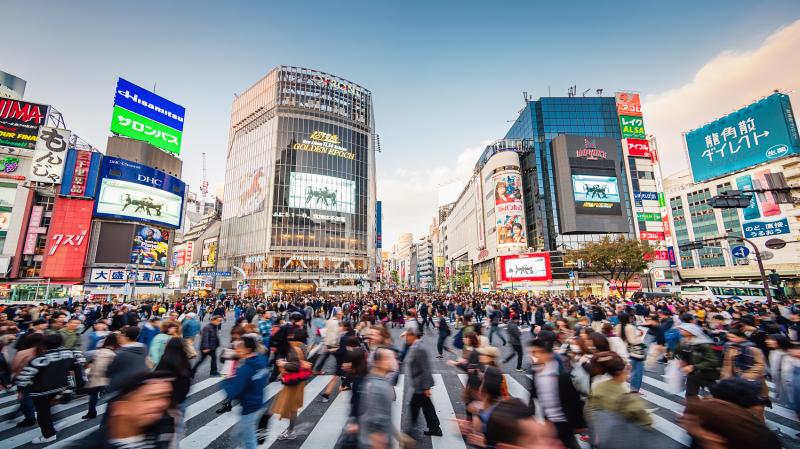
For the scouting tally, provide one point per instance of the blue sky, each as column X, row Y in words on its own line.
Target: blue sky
column 445, row 76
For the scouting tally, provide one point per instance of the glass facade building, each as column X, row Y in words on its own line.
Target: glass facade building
column 299, row 209
column 538, row 124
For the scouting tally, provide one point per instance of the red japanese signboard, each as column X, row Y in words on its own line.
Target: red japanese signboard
column 526, row 267
column 639, row 148
column 658, row 254
column 651, row 235
column 628, row 103
column 68, row 239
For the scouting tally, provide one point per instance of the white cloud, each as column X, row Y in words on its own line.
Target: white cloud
column 726, row 83
column 411, row 195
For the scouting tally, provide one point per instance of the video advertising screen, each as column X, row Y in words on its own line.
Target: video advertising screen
column 123, row 199
column 310, row 191
column 595, row 188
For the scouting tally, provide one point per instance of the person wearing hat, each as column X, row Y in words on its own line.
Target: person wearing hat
column 699, row 361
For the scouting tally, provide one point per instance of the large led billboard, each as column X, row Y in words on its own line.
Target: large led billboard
column 131, row 191
column 602, row 189
column 758, row 133
column 526, row 267
column 310, row 191
column 143, row 115
column 67, row 239
column 20, row 122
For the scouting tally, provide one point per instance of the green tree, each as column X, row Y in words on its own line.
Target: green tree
column 395, row 277
column 615, row 260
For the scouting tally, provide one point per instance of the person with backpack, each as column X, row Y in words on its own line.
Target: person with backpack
column 699, row 361
column 515, row 338
column 743, row 359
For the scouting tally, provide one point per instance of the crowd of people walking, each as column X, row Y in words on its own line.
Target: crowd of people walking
column 586, row 359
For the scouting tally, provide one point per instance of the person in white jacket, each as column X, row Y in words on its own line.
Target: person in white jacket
column 633, row 339
column 97, row 379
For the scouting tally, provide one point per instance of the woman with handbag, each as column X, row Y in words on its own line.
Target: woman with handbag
column 294, row 372
column 637, row 350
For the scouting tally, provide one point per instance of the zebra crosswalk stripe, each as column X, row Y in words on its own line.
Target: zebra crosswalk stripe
column 451, row 438
column 312, row 389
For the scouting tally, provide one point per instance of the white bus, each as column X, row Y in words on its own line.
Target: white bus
column 738, row 291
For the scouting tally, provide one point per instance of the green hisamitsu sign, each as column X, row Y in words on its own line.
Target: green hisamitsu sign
column 648, row 216
column 129, row 124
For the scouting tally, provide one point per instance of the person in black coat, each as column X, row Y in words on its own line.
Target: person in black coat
column 209, row 342
column 131, row 359
column 444, row 332
column 551, row 385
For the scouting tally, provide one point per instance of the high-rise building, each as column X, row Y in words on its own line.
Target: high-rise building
column 299, row 212
column 539, row 123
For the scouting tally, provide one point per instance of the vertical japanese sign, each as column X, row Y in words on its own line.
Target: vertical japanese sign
column 760, row 132
column 379, row 224
column 34, row 229
column 68, row 239
column 49, row 155
column 80, row 173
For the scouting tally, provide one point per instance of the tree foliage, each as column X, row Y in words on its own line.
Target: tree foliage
column 615, row 260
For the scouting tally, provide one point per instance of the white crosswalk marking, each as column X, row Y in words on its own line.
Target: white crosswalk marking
column 397, row 405
column 328, row 420
column 452, row 438
column 205, row 435
column 313, row 388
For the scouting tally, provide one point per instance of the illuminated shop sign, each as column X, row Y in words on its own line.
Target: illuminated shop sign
column 150, row 246
column 20, row 122
column 326, row 143
column 631, row 127
column 67, row 242
column 628, row 103
column 639, row 148
column 651, row 235
column 645, row 196
column 143, row 115
column 320, row 217
column 598, row 189
column 590, row 151
column 8, row 168
column 649, row 216
column 80, row 173
column 122, row 276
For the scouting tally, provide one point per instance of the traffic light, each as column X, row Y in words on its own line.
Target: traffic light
column 732, row 199
column 691, row 246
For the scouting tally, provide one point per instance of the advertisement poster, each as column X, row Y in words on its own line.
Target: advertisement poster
column 595, row 188
column 628, row 103
column 631, row 127
column 525, row 267
column 7, row 196
column 67, row 239
column 136, row 192
column 10, row 168
column 310, row 191
column 209, row 253
column 760, row 132
column 20, row 122
column 150, row 246
column 81, row 170
column 254, row 192
column 509, row 210
column 639, row 148
column 49, row 155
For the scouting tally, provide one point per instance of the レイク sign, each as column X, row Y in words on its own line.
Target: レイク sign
column 631, row 127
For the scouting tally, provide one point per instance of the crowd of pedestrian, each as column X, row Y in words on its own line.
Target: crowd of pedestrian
column 585, row 357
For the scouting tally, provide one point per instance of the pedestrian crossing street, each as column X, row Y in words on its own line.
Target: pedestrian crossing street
column 320, row 424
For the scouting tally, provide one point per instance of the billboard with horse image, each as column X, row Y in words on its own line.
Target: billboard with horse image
column 310, row 191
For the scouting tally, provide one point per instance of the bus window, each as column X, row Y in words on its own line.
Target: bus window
column 694, row 288
column 728, row 291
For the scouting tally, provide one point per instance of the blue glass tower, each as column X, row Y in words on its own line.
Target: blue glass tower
column 539, row 123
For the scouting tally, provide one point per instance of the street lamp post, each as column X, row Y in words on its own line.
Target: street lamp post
column 760, row 266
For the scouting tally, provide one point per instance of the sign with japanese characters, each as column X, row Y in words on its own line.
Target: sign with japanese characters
column 122, row 276
column 651, row 235
column 67, row 239
column 631, row 127
column 628, row 103
column 648, row 216
column 645, row 196
column 145, row 103
column 129, row 124
column 758, row 133
column 20, row 122
column 754, row 229
column 50, row 155
column 639, row 148
column 526, row 267
column 80, row 173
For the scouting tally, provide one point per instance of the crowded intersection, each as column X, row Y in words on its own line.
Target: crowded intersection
column 505, row 371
